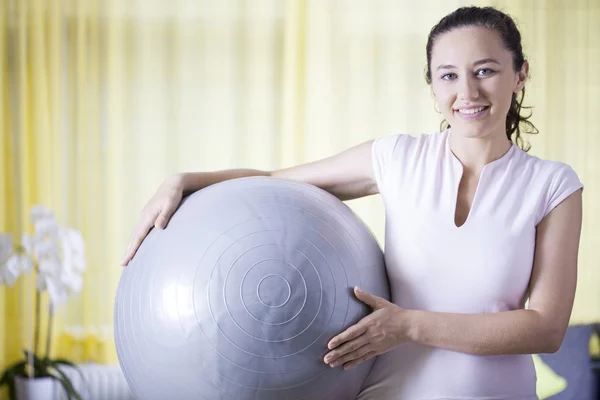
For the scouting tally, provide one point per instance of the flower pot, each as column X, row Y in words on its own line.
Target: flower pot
column 35, row 389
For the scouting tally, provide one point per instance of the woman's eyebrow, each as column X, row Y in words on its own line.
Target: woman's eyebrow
column 479, row 62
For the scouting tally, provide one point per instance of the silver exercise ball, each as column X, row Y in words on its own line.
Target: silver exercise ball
column 238, row 297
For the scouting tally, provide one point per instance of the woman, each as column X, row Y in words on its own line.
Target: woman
column 490, row 227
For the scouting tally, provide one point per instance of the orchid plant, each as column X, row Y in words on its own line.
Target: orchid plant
column 57, row 255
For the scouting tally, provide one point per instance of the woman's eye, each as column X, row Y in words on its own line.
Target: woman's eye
column 449, row 76
column 484, row 72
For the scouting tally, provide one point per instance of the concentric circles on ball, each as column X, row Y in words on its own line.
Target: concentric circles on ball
column 239, row 296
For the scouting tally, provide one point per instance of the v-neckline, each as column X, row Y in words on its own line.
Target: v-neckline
column 457, row 164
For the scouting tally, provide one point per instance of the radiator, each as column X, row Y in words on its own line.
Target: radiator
column 102, row 382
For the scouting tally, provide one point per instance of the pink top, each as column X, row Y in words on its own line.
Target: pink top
column 483, row 266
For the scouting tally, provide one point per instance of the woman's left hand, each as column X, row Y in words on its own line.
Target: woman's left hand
column 382, row 330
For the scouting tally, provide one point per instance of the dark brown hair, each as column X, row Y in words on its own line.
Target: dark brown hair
column 491, row 18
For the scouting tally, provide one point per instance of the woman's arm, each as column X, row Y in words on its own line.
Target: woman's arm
column 347, row 175
column 538, row 329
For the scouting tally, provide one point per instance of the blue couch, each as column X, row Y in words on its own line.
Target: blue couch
column 572, row 362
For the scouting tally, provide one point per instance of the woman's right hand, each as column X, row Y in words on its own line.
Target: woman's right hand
column 156, row 213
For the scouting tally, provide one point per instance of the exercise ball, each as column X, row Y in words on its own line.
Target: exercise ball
column 238, row 297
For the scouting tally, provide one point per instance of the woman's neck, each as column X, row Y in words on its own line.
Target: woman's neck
column 475, row 153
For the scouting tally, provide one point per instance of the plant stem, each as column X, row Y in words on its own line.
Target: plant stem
column 30, row 357
column 49, row 337
column 37, row 321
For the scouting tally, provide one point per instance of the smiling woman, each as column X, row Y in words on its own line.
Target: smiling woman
column 460, row 287
column 475, row 83
column 500, row 73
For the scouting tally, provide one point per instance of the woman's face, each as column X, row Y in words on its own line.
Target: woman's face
column 473, row 79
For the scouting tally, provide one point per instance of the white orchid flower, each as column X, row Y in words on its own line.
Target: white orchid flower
column 25, row 263
column 38, row 212
column 45, row 226
column 58, row 253
column 49, row 266
column 56, row 290
column 6, row 248
column 46, row 249
column 27, row 241
column 73, row 250
column 11, row 271
column 72, row 282
column 8, row 271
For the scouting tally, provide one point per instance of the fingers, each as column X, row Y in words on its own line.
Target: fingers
column 140, row 232
column 368, row 298
column 353, row 332
column 357, row 361
column 157, row 213
column 165, row 215
column 340, row 355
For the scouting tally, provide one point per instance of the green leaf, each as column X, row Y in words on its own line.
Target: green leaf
column 40, row 366
column 66, row 382
column 62, row 361
column 32, row 354
column 66, row 362
column 46, row 361
column 27, row 353
column 8, row 377
column 12, row 371
column 12, row 393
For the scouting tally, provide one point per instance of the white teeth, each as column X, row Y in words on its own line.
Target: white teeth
column 471, row 111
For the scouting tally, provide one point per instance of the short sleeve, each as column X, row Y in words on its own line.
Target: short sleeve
column 382, row 155
column 564, row 182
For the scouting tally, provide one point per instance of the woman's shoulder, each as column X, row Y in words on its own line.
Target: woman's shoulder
column 539, row 167
column 394, row 155
column 409, row 142
column 414, row 137
column 552, row 181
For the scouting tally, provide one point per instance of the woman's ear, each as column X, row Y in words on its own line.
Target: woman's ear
column 522, row 77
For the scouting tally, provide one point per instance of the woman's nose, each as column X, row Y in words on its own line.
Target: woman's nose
column 468, row 89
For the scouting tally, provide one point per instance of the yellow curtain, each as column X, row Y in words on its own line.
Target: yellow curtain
column 50, row 153
column 101, row 99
